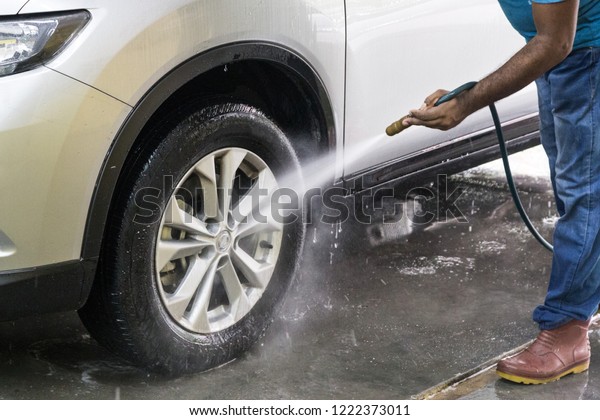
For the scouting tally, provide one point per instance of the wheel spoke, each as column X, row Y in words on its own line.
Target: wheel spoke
column 240, row 305
column 208, row 180
column 248, row 203
column 252, row 226
column 257, row 205
column 198, row 316
column 178, row 218
column 169, row 250
column 178, row 301
column 258, row 197
column 257, row 273
column 230, row 162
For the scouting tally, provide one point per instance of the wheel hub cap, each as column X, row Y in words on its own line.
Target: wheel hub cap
column 224, row 241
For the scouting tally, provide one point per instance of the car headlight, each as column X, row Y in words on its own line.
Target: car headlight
column 28, row 41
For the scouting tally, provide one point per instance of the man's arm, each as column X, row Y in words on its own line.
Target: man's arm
column 556, row 24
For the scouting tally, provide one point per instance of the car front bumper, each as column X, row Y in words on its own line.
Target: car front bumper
column 54, row 135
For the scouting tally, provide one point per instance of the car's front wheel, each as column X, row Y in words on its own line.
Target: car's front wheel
column 195, row 260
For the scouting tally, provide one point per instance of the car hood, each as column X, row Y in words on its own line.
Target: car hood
column 11, row 7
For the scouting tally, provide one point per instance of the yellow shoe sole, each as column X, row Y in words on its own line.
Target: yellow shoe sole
column 535, row 381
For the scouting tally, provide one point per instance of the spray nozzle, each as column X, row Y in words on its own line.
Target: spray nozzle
column 396, row 127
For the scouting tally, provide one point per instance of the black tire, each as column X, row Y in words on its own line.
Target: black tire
column 124, row 311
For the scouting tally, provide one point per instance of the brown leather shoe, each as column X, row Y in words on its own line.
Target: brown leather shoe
column 554, row 354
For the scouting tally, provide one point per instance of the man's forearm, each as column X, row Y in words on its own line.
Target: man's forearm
column 533, row 60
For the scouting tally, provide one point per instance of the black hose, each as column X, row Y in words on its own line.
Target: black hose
column 511, row 182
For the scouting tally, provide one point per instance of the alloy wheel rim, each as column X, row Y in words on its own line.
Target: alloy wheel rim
column 218, row 242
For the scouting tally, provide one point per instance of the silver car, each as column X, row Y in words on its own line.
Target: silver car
column 133, row 135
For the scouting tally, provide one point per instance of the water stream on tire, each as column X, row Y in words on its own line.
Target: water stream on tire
column 321, row 171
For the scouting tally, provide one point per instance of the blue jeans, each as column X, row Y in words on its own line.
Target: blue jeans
column 570, row 131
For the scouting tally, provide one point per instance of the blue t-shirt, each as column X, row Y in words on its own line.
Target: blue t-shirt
column 520, row 16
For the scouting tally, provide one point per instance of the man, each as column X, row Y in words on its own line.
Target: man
column 562, row 55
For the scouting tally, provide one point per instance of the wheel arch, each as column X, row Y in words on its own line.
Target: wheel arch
column 256, row 65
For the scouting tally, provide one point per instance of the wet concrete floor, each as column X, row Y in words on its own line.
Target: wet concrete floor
column 380, row 311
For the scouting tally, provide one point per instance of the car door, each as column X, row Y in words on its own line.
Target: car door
column 400, row 51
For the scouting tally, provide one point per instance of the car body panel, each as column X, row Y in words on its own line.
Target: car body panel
column 401, row 51
column 55, row 134
column 11, row 7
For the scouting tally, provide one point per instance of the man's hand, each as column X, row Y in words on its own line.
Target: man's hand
column 443, row 117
